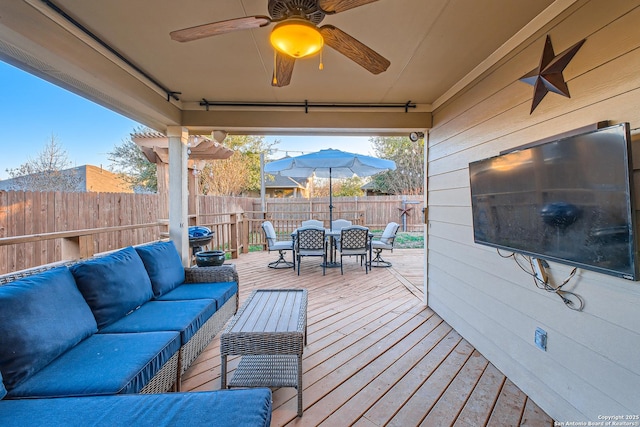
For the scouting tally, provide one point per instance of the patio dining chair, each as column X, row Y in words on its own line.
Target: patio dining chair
column 384, row 243
column 339, row 224
column 354, row 241
column 313, row 223
column 310, row 241
column 281, row 246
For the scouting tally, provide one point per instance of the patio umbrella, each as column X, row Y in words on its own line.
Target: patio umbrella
column 330, row 164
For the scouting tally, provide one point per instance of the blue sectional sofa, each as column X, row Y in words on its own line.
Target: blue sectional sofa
column 125, row 323
column 222, row 408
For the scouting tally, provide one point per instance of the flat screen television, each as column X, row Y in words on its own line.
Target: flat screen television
column 569, row 200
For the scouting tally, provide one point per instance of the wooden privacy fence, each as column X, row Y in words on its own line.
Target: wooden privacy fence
column 32, row 215
column 38, row 228
column 374, row 212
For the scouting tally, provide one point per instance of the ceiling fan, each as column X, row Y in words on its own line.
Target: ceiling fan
column 296, row 34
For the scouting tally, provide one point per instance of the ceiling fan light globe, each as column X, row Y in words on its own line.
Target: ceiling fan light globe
column 297, row 38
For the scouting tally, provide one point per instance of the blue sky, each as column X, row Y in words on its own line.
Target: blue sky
column 33, row 110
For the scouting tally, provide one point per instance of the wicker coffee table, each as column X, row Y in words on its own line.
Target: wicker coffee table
column 269, row 332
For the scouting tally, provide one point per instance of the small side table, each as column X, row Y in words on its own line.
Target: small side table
column 269, row 332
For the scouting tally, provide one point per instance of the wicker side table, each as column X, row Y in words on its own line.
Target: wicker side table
column 269, row 332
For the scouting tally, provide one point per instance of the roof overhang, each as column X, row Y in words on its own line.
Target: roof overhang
column 119, row 54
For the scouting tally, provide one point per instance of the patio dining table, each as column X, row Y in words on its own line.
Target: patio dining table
column 331, row 235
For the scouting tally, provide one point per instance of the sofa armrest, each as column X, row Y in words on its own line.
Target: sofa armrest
column 223, row 273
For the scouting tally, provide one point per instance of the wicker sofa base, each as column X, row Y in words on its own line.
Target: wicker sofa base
column 165, row 379
column 192, row 349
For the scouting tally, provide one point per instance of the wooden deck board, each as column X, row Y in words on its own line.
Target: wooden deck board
column 426, row 396
column 443, row 341
column 533, row 416
column 335, row 384
column 359, row 401
column 477, row 409
column 447, row 408
column 376, row 355
column 509, row 407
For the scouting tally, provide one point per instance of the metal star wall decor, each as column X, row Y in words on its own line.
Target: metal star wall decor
column 548, row 76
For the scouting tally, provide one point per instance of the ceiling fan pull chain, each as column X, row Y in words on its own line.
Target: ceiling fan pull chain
column 275, row 64
column 321, row 66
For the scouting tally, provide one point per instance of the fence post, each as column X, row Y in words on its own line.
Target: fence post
column 234, row 243
column 77, row 247
column 245, row 234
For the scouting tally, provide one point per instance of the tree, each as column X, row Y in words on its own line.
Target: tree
column 238, row 174
column 128, row 160
column 350, row 187
column 46, row 172
column 345, row 187
column 408, row 178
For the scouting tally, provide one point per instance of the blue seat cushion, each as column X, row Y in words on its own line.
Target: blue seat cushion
column 41, row 317
column 248, row 407
column 186, row 317
column 113, row 285
column 103, row 364
column 219, row 291
column 164, row 266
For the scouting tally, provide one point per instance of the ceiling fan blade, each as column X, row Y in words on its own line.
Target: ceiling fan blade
column 354, row 50
column 283, row 70
column 221, row 27
column 335, row 6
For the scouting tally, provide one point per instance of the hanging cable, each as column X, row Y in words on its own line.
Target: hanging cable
column 572, row 300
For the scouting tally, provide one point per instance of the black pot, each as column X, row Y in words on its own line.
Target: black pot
column 210, row 258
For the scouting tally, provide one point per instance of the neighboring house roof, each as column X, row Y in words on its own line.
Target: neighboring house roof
column 370, row 187
column 279, row 181
column 91, row 179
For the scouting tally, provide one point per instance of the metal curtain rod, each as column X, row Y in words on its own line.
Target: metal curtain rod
column 306, row 105
column 85, row 30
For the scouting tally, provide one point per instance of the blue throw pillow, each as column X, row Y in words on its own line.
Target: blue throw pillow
column 113, row 285
column 42, row 316
column 164, row 266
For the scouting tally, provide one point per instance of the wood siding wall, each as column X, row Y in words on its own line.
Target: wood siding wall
column 592, row 365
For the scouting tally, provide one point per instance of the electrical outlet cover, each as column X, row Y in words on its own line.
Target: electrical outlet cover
column 541, row 339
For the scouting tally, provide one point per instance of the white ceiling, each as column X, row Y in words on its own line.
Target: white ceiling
column 432, row 46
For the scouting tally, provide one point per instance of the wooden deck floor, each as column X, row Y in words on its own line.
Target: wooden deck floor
column 376, row 355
